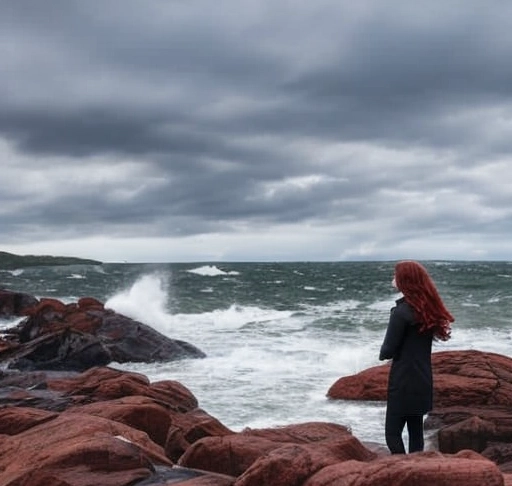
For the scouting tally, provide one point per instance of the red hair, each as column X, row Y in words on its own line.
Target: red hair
column 413, row 280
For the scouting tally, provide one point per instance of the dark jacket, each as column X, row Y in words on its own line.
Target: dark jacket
column 410, row 386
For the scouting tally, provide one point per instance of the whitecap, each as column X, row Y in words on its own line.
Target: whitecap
column 211, row 271
column 16, row 273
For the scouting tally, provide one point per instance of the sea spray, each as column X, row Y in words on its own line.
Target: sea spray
column 278, row 335
column 145, row 301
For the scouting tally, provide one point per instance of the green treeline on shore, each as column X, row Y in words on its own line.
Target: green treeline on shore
column 10, row 261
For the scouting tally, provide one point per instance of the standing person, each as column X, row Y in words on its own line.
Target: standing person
column 418, row 317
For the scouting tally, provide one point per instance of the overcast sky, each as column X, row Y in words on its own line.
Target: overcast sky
column 256, row 130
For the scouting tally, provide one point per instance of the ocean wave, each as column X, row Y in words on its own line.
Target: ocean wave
column 234, row 317
column 15, row 273
column 211, row 271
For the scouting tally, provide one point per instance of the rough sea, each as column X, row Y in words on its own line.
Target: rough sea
column 278, row 335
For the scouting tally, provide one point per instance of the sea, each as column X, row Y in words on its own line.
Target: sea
column 278, row 335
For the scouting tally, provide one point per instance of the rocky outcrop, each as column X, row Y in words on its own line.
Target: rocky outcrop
column 460, row 378
column 472, row 397
column 463, row 469
column 62, row 427
column 115, row 428
column 15, row 303
column 78, row 336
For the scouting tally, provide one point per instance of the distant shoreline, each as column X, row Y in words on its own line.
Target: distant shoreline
column 10, row 261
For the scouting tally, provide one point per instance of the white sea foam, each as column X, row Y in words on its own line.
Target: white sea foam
column 147, row 301
column 76, row 276
column 14, row 273
column 268, row 367
column 8, row 323
column 211, row 271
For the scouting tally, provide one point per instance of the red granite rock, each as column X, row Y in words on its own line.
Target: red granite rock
column 121, row 430
column 231, row 454
column 301, row 433
column 472, row 433
column 14, row 420
column 292, row 464
column 104, row 383
column 197, row 424
column 139, row 412
column 258, row 450
column 460, row 378
column 369, row 384
column 474, row 428
column 425, row 468
column 175, row 431
column 78, row 450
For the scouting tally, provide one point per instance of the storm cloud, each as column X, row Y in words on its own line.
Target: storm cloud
column 144, row 130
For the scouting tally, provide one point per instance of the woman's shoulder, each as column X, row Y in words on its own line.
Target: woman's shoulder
column 404, row 309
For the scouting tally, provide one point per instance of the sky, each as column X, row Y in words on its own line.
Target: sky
column 256, row 130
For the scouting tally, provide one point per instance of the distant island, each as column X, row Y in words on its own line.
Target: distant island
column 9, row 261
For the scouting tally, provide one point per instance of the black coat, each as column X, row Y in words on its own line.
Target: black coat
column 410, row 386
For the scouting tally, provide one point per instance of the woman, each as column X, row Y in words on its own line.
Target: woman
column 418, row 317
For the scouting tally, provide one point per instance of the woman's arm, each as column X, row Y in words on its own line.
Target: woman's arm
column 394, row 335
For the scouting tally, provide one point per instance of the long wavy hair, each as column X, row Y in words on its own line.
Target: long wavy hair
column 420, row 292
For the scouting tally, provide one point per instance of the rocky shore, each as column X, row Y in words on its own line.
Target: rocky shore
column 92, row 425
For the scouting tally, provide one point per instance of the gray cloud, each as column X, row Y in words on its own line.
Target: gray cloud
column 356, row 129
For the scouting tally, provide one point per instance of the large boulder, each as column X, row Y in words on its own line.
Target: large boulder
column 77, row 449
column 463, row 469
column 77, row 336
column 460, row 378
column 13, row 304
column 472, row 397
column 295, row 463
column 116, row 428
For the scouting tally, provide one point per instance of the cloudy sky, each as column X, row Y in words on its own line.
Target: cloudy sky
column 256, row 130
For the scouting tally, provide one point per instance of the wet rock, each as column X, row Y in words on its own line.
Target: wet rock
column 178, row 476
column 460, row 378
column 301, row 433
column 78, row 450
column 118, row 429
column 231, row 455
column 295, row 463
column 464, row 469
column 77, row 336
column 262, row 450
column 14, row 420
column 105, row 383
column 14, row 304
column 472, row 396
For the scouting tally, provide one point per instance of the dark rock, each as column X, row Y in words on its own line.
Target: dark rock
column 61, row 350
column 58, row 336
column 180, row 476
column 14, row 304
